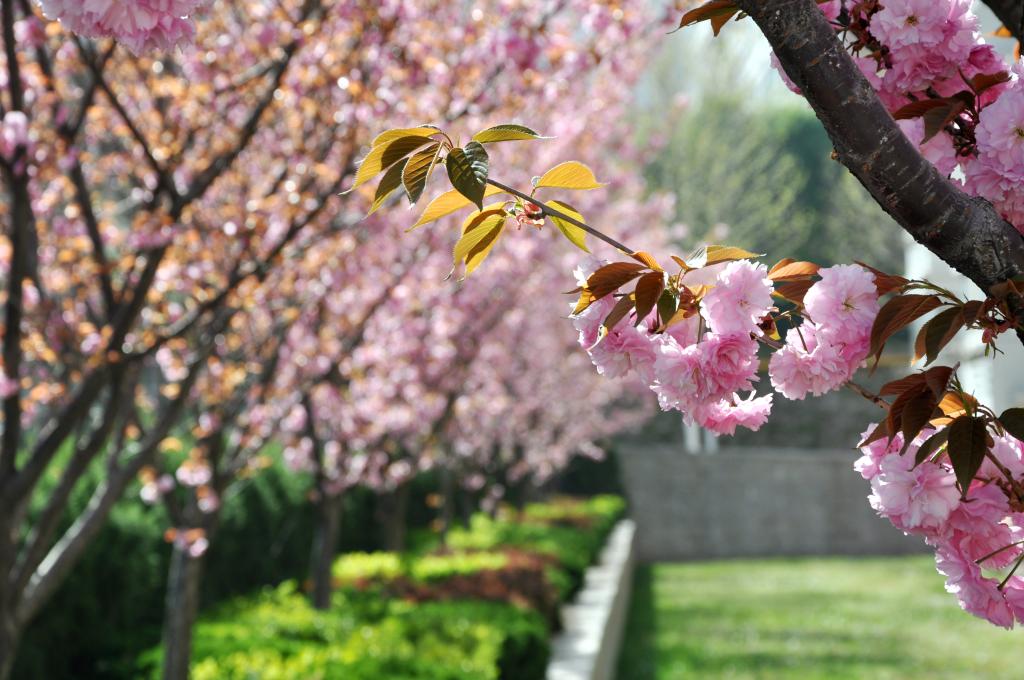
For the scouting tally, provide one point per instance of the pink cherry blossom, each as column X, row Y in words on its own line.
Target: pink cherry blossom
column 741, row 298
column 976, row 594
column 138, row 24
column 807, row 364
column 868, row 464
column 729, row 362
column 913, row 498
column 723, row 417
column 844, row 303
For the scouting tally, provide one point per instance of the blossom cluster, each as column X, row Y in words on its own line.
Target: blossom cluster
column 704, row 364
column 139, row 25
column 974, row 537
column 915, row 50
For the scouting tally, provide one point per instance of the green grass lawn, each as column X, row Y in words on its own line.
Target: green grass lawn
column 808, row 618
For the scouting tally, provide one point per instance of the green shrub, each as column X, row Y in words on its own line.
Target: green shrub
column 425, row 616
column 277, row 636
column 111, row 606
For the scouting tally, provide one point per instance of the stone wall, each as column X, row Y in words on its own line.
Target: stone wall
column 761, row 502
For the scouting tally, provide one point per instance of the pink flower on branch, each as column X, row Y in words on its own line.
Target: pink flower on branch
column 138, row 24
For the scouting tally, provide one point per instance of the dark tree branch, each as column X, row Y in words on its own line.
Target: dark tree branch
column 20, row 232
column 965, row 232
column 69, row 548
column 1011, row 13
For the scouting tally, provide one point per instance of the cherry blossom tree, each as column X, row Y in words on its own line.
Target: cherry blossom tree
column 305, row 294
column 131, row 224
column 947, row 172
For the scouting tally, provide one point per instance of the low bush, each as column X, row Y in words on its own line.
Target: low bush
column 483, row 608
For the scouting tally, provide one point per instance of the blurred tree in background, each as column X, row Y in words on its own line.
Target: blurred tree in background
column 748, row 161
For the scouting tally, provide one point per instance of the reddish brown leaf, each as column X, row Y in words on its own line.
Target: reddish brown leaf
column 901, row 385
column 937, row 333
column 792, row 271
column 781, row 263
column 885, row 283
column 709, row 12
column 937, row 379
column 968, row 442
column 794, row 291
column 899, row 404
column 720, row 20
column 984, row 81
column 916, row 413
column 898, row 313
column 647, row 259
column 611, row 277
column 881, row 431
column 648, row 290
column 618, row 313
column 973, row 310
column 919, row 108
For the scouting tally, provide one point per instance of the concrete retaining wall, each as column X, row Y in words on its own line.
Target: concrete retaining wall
column 756, row 503
column 594, row 623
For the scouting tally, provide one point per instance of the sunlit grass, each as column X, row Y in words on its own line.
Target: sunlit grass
column 830, row 618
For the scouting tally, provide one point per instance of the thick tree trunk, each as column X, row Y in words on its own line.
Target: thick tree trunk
column 393, row 510
column 965, row 232
column 181, row 609
column 9, row 634
column 325, row 547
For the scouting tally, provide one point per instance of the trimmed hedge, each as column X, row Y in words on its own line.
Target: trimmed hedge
column 277, row 635
column 480, row 611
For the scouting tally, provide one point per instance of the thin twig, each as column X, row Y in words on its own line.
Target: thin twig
column 873, row 398
column 551, row 212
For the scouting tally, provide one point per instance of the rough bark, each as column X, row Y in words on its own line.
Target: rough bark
column 181, row 609
column 1011, row 13
column 8, row 644
column 965, row 232
column 325, row 547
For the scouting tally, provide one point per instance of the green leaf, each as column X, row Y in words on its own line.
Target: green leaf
column 708, row 255
column 385, row 155
column 667, row 304
column 569, row 175
column 968, row 442
column 480, row 232
column 467, row 170
column 391, row 180
column 1012, row 421
column 937, row 333
column 417, row 171
column 391, row 135
column 930, row 446
column 623, row 307
column 575, row 235
column 447, row 203
column 505, row 133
